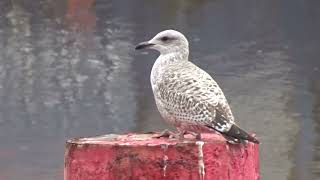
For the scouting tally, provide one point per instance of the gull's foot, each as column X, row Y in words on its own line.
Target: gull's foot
column 169, row 134
column 166, row 133
column 196, row 135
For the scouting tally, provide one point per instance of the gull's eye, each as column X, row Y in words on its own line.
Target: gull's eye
column 164, row 38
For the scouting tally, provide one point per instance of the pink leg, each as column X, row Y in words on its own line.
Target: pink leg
column 198, row 136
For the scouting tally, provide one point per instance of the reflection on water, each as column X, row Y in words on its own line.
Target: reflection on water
column 315, row 165
column 258, row 88
column 68, row 68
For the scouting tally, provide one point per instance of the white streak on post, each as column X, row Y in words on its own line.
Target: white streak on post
column 200, row 160
column 165, row 163
column 164, row 159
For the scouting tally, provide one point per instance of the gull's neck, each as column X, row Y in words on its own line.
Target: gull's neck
column 166, row 60
column 175, row 56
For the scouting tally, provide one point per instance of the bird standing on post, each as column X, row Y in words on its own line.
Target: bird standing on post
column 186, row 96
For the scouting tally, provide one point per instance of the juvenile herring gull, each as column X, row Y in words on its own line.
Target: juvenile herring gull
column 186, row 96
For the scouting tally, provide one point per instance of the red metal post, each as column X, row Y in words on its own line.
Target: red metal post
column 141, row 157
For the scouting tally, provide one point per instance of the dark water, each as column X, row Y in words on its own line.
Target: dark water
column 68, row 69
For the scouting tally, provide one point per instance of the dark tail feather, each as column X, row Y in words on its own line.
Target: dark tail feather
column 240, row 134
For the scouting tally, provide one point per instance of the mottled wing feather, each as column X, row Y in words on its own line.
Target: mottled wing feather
column 221, row 123
column 190, row 94
column 184, row 107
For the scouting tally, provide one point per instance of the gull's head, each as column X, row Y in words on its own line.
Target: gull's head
column 167, row 42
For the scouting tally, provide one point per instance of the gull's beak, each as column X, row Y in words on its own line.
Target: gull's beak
column 144, row 45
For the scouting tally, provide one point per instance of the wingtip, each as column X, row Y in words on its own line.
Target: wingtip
column 239, row 133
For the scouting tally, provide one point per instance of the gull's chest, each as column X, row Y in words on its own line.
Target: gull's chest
column 159, row 68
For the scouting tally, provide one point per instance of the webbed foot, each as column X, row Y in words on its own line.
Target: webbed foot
column 169, row 134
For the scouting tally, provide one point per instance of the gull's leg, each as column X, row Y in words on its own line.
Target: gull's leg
column 180, row 134
column 198, row 136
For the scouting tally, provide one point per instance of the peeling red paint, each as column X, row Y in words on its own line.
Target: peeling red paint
column 141, row 157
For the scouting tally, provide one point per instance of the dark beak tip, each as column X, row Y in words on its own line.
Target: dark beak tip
column 138, row 47
column 143, row 45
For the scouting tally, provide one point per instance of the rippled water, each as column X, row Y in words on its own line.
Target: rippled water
column 68, row 68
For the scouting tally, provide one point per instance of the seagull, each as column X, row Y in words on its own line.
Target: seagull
column 186, row 96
